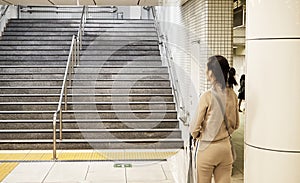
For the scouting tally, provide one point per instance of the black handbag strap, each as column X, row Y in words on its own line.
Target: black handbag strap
column 223, row 112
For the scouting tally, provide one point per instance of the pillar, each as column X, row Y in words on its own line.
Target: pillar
column 272, row 138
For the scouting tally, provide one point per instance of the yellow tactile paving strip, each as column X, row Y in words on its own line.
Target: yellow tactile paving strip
column 6, row 168
column 86, row 156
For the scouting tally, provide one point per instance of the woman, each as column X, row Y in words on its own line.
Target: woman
column 231, row 78
column 241, row 91
column 214, row 156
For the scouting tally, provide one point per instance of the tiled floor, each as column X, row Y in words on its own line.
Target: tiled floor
column 112, row 171
column 238, row 141
column 88, row 172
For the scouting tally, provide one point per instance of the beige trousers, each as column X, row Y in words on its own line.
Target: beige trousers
column 215, row 159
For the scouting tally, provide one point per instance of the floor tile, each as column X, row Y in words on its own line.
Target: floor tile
column 105, row 172
column 68, row 172
column 146, row 172
column 29, row 172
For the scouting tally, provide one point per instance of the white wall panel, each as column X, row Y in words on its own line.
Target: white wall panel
column 275, row 20
column 117, row 2
column 273, row 92
column 29, row 2
column 269, row 166
column 64, row 2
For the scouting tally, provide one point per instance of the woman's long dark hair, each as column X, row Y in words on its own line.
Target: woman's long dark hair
column 220, row 68
column 231, row 79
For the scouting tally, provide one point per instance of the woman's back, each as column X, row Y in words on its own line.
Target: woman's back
column 213, row 127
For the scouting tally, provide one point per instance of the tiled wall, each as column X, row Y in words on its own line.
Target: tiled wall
column 198, row 29
column 219, row 29
column 210, row 23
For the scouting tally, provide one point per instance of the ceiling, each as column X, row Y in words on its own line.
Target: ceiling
column 93, row 2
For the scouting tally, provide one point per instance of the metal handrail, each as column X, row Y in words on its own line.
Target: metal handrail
column 4, row 12
column 174, row 80
column 64, row 92
column 81, row 31
column 113, row 9
column 73, row 59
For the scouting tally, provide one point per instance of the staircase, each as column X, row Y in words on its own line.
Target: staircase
column 120, row 96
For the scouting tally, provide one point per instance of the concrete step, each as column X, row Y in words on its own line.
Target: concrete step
column 95, row 144
column 29, row 53
column 92, row 97
column 122, row 47
column 108, row 83
column 113, row 83
column 120, row 52
column 81, row 69
column 43, row 20
column 83, row 53
column 91, row 134
column 34, row 57
column 44, row 25
column 34, row 47
column 113, row 63
column 91, row 124
column 87, row 47
column 129, row 69
column 7, row 76
column 90, row 33
column 84, row 43
column 75, row 29
column 123, row 63
column 115, row 76
column 85, row 38
column 87, row 90
column 87, row 105
column 27, row 82
column 112, row 114
column 118, row 114
column 120, row 58
column 120, row 21
column 16, row 115
column 82, row 58
column 89, row 21
column 38, row 62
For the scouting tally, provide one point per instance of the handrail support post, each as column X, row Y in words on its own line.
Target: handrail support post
column 54, row 157
column 78, row 52
column 60, row 124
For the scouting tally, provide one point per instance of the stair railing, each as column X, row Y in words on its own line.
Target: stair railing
column 166, row 53
column 60, row 9
column 64, row 92
column 73, row 60
column 4, row 12
column 3, row 18
column 80, row 33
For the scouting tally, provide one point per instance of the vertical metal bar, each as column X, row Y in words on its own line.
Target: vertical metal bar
column 54, row 137
column 70, row 75
column 74, row 57
column 66, row 96
column 78, row 53
column 18, row 11
column 60, row 123
column 80, row 38
column 72, row 60
column 75, row 54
